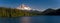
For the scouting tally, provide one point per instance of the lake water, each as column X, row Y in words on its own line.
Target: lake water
column 33, row 19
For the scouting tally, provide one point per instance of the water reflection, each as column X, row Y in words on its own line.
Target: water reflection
column 34, row 19
column 26, row 20
column 9, row 20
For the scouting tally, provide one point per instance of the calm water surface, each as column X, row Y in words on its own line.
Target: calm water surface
column 33, row 19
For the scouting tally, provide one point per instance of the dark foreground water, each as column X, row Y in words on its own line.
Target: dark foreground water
column 33, row 19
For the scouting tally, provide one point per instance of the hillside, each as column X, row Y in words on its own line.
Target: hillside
column 9, row 12
column 51, row 12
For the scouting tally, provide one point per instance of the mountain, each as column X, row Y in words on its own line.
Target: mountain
column 51, row 12
column 48, row 11
column 9, row 12
column 26, row 8
column 57, row 12
column 23, row 7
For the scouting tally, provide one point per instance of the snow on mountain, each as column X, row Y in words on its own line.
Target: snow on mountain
column 24, row 7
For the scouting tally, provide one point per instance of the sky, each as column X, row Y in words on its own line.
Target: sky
column 35, row 4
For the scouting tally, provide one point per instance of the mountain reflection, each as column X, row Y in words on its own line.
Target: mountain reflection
column 26, row 19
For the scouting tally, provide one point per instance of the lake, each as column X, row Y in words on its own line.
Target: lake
column 33, row 19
